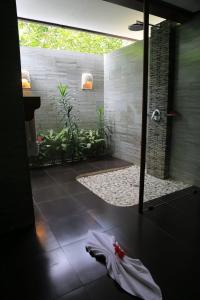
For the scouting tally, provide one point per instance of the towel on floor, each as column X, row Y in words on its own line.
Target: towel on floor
column 129, row 273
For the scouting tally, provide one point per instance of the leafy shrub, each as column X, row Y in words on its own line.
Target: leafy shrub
column 33, row 34
column 92, row 143
column 72, row 143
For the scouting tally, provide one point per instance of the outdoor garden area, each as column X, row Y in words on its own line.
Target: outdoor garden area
column 89, row 121
column 66, row 139
column 71, row 143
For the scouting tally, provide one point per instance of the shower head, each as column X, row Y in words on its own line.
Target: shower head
column 137, row 26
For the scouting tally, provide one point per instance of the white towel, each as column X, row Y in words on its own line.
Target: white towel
column 129, row 273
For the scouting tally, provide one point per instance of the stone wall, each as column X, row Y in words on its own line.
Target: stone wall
column 47, row 68
column 123, row 100
column 162, row 52
column 185, row 148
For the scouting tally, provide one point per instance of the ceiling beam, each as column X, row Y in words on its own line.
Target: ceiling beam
column 158, row 8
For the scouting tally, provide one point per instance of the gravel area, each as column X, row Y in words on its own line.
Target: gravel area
column 121, row 187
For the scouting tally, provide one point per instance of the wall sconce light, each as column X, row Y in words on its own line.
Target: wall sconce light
column 26, row 82
column 87, row 81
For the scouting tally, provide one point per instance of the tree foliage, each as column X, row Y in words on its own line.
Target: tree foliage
column 38, row 35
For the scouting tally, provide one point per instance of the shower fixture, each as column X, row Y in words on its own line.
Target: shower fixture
column 139, row 26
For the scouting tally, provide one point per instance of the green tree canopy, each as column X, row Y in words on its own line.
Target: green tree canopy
column 38, row 35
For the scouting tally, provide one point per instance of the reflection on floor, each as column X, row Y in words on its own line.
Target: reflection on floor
column 53, row 264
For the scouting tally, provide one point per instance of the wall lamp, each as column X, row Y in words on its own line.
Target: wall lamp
column 87, row 81
column 26, row 81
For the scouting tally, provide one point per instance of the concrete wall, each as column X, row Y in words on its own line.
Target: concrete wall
column 123, row 99
column 49, row 67
column 185, row 152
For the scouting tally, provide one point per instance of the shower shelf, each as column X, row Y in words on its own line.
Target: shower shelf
column 172, row 114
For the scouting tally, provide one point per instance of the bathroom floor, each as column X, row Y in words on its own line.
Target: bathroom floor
column 53, row 264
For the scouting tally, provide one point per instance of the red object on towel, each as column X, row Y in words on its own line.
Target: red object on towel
column 119, row 251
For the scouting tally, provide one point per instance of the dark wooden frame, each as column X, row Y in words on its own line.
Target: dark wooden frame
column 144, row 104
column 158, row 8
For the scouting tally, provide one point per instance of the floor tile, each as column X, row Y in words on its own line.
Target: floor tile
column 110, row 163
column 37, row 173
column 73, row 228
column 39, row 179
column 165, row 238
column 171, row 197
column 38, row 215
column 61, row 209
column 45, row 236
column 176, row 223
column 63, row 175
column 109, row 216
column 87, row 267
column 106, row 288
column 54, row 170
column 52, row 192
column 73, row 188
column 166, row 259
column 188, row 204
column 78, row 294
column 83, row 167
column 90, row 200
column 61, row 274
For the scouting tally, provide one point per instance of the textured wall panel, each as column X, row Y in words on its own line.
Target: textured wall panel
column 49, row 67
column 123, row 100
column 185, row 149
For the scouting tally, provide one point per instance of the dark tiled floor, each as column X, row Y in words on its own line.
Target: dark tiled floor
column 53, row 264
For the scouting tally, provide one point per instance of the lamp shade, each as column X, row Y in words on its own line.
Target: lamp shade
column 26, row 82
column 87, row 81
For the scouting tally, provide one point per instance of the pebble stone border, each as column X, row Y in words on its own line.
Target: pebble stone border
column 121, row 187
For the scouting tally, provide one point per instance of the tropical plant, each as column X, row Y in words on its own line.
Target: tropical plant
column 51, row 146
column 72, row 130
column 33, row 34
column 92, row 144
column 71, row 143
column 100, row 115
column 104, row 130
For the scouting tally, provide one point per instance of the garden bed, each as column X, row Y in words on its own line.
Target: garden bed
column 71, row 143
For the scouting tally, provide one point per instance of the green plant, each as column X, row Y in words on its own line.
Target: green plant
column 51, row 146
column 66, row 106
column 72, row 129
column 104, row 131
column 100, row 125
column 92, row 144
column 96, row 142
column 71, row 143
column 33, row 34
